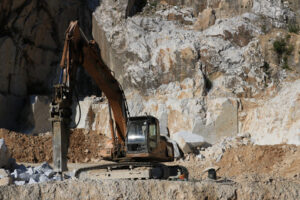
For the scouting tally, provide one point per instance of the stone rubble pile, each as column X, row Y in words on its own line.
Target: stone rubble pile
column 216, row 151
column 22, row 175
column 12, row 173
column 194, row 147
column 29, row 175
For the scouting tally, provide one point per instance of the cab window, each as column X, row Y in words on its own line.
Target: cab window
column 137, row 132
column 152, row 136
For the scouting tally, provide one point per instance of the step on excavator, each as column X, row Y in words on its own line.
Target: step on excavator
column 136, row 146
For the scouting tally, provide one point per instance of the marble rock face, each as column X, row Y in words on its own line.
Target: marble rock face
column 277, row 120
column 197, row 67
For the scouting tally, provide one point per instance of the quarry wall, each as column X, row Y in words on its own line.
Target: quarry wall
column 203, row 67
column 207, row 67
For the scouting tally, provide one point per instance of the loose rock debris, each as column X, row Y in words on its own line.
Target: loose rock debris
column 234, row 158
column 21, row 175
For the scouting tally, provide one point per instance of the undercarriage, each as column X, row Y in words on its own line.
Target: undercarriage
column 133, row 170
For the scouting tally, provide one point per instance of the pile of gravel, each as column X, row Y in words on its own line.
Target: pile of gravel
column 216, row 151
column 22, row 175
column 13, row 173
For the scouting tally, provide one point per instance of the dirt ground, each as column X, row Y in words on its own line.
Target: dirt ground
column 242, row 161
column 276, row 160
column 281, row 161
column 84, row 146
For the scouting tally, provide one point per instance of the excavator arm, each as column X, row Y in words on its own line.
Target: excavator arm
column 141, row 142
column 78, row 51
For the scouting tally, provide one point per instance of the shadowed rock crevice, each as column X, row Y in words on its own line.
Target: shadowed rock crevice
column 134, row 7
column 32, row 34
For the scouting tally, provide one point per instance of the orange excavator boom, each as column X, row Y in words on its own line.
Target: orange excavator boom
column 78, row 51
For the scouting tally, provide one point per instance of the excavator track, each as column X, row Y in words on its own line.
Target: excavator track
column 133, row 170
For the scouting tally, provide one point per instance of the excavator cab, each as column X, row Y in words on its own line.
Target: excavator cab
column 143, row 140
column 142, row 135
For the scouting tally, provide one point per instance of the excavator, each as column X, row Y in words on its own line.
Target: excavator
column 136, row 146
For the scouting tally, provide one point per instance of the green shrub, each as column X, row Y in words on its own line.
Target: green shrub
column 279, row 46
column 266, row 68
column 284, row 48
column 285, row 64
column 293, row 28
